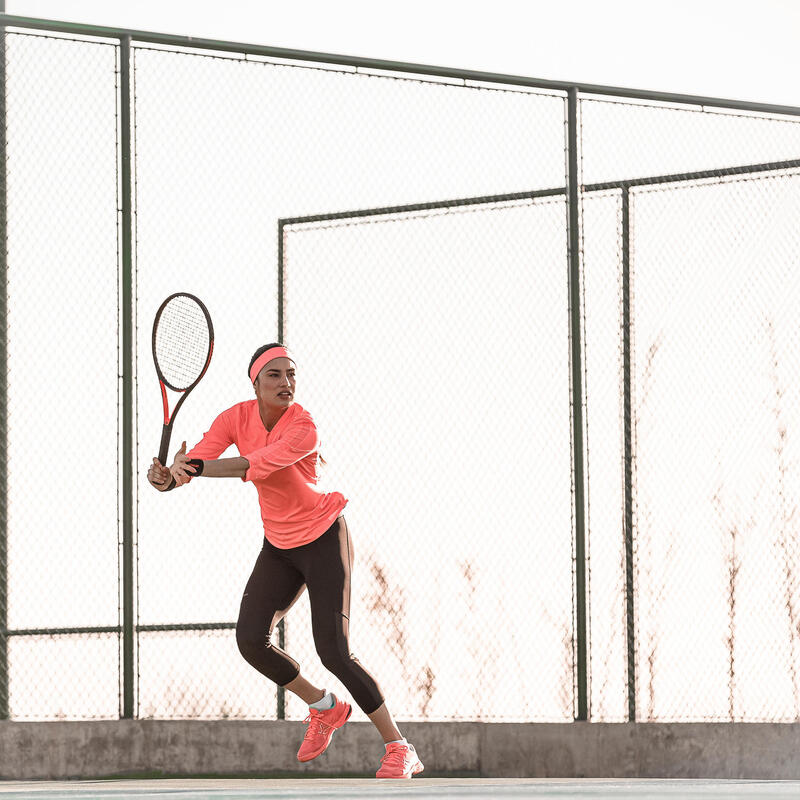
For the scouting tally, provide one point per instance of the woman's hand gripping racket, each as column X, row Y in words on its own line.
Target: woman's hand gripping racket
column 183, row 341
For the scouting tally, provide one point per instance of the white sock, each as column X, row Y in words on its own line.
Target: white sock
column 325, row 702
column 397, row 741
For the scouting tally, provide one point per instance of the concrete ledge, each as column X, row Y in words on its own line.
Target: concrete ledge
column 61, row 750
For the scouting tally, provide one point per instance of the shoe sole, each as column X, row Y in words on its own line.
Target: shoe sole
column 328, row 744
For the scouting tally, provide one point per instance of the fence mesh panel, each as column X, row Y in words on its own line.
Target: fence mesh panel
column 62, row 373
column 602, row 255
column 711, row 259
column 716, row 397
column 433, row 385
column 417, row 227
column 625, row 141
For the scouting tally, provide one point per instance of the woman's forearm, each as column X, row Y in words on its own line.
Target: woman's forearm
column 226, row 467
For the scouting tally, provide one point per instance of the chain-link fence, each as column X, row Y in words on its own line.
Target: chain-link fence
column 408, row 236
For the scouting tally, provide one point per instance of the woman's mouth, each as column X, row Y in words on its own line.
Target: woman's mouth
column 285, row 394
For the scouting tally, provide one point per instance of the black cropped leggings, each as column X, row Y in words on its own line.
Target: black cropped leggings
column 277, row 581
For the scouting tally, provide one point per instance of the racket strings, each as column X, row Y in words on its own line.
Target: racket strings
column 182, row 342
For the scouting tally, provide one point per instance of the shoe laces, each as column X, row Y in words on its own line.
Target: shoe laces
column 316, row 726
column 395, row 756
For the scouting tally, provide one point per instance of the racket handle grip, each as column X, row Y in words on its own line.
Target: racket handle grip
column 166, row 434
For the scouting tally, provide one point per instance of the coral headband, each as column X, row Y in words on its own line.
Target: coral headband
column 265, row 358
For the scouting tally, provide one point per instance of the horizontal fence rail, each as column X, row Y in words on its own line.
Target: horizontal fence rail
column 310, row 56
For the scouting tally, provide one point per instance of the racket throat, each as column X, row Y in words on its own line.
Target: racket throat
column 165, row 402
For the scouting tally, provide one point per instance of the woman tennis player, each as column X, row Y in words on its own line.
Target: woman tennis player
column 306, row 544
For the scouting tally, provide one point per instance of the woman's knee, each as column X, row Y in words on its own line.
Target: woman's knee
column 251, row 644
column 273, row 663
column 334, row 654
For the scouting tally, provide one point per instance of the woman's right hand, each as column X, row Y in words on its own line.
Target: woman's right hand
column 159, row 476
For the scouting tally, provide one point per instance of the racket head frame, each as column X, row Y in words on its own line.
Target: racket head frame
column 162, row 380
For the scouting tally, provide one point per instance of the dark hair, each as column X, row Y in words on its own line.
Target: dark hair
column 262, row 349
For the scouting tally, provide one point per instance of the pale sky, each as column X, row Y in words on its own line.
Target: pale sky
column 733, row 49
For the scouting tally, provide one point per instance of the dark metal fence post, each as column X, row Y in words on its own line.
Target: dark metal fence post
column 128, row 447
column 630, row 632
column 4, row 706
column 576, row 385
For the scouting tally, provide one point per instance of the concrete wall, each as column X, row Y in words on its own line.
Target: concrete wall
column 55, row 750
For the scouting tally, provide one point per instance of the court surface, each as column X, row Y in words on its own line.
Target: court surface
column 466, row 788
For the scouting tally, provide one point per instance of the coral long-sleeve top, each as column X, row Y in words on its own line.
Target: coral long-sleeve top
column 283, row 468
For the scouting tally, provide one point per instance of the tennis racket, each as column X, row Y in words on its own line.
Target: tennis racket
column 183, row 341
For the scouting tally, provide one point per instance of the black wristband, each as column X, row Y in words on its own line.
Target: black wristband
column 172, row 483
column 198, row 464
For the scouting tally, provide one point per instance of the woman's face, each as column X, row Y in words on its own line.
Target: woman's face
column 275, row 383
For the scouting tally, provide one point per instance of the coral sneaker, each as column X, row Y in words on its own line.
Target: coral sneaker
column 321, row 725
column 401, row 761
